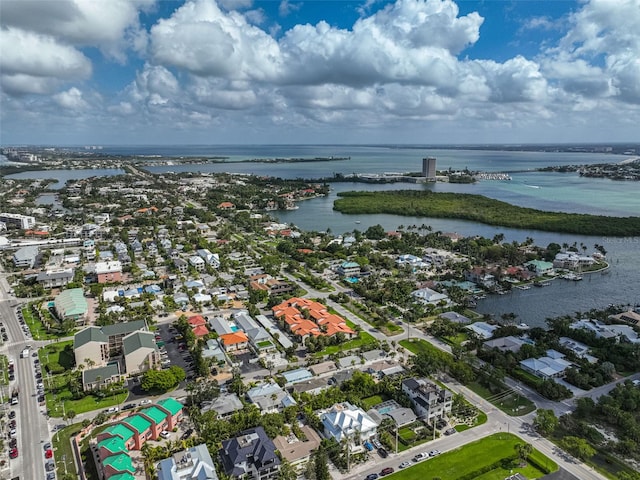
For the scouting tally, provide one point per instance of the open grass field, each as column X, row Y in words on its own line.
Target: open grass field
column 511, row 404
column 472, row 458
column 363, row 339
column 418, row 346
column 55, row 354
column 63, row 398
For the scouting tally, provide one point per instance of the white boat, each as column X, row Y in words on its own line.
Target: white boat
column 523, row 326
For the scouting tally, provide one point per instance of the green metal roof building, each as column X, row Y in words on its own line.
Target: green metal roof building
column 121, row 431
column 113, row 444
column 89, row 334
column 136, row 340
column 71, row 305
column 171, row 404
column 155, row 414
column 122, row 476
column 97, row 377
column 120, row 463
column 138, row 423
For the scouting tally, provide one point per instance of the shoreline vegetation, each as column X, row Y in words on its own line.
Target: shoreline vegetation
column 478, row 208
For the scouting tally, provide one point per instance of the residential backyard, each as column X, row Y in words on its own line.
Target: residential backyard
column 492, row 458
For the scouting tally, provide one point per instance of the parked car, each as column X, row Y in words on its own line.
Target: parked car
column 404, row 465
column 386, row 471
column 433, row 453
column 164, row 434
column 421, row 456
column 13, row 453
column 129, row 406
column 371, row 476
column 112, row 410
column 146, row 401
column 450, row 431
column 46, row 446
column 383, row 453
column 48, row 454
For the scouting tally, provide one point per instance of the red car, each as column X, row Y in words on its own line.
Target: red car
column 48, row 453
column 13, row 453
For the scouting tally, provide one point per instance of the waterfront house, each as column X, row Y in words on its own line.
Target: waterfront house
column 553, row 365
column 481, row 277
column 431, row 297
column 507, row 344
column 484, row 330
column 540, row 267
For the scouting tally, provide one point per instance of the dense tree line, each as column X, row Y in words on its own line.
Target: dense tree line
column 482, row 209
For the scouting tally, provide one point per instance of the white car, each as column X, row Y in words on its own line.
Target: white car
column 164, row 434
column 145, row 402
column 113, row 410
column 405, row 465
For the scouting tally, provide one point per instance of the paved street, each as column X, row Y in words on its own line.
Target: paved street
column 31, row 425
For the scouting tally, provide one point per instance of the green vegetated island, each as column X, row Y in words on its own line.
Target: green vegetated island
column 482, row 209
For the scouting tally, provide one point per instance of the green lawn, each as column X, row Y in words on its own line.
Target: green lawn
column 418, row 346
column 38, row 330
column 370, row 402
column 388, row 328
column 471, row 458
column 514, row 405
column 457, row 339
column 82, row 405
column 363, row 339
column 55, row 353
column 62, row 449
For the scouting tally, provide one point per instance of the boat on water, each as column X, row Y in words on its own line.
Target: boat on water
column 523, row 326
column 523, row 287
column 572, row 276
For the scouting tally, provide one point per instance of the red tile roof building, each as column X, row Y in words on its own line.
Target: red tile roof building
column 305, row 318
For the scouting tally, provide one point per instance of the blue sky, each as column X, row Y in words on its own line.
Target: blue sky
column 245, row 71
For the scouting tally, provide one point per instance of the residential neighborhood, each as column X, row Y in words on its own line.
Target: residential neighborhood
column 190, row 335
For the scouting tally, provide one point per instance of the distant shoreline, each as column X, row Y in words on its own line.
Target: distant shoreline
column 482, row 209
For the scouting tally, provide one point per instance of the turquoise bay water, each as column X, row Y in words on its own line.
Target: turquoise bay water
column 552, row 191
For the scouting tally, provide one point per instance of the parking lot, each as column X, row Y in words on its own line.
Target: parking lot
column 174, row 352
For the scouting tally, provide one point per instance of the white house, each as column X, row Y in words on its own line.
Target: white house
column 431, row 297
column 198, row 263
column 344, row 420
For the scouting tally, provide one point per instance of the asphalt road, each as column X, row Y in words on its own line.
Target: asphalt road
column 32, row 428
